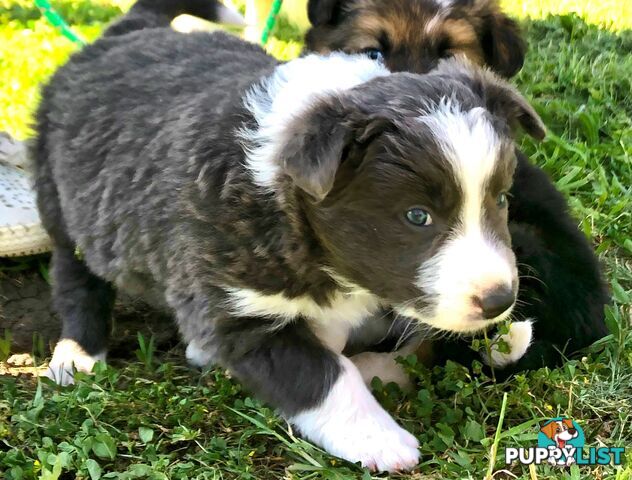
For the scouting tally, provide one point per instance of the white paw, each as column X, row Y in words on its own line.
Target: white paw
column 352, row 425
column 378, row 443
column 198, row 357
column 382, row 365
column 69, row 358
column 519, row 338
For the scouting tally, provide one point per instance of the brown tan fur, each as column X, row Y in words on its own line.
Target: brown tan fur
column 414, row 34
column 550, row 429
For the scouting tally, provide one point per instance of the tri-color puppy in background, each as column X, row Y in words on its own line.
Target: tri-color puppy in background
column 561, row 288
column 409, row 35
column 413, row 35
column 273, row 208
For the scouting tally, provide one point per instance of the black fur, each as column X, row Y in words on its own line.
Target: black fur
column 83, row 300
column 287, row 367
column 502, row 44
column 323, row 11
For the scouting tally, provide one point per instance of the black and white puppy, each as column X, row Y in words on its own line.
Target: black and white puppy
column 274, row 207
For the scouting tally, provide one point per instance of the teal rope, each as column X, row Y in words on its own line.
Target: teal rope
column 56, row 21
column 272, row 18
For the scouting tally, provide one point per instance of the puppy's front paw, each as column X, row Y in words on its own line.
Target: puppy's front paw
column 519, row 338
column 69, row 358
column 352, row 425
column 378, row 444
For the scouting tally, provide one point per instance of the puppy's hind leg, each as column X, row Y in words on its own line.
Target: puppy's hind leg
column 84, row 303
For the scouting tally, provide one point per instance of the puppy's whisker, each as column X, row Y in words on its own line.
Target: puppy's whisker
column 529, row 268
column 531, row 277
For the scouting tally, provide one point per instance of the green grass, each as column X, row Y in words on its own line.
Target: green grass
column 150, row 419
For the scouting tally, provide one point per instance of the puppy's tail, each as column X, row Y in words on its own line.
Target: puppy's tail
column 160, row 13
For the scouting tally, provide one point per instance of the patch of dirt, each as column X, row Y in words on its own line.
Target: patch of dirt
column 25, row 310
column 10, row 370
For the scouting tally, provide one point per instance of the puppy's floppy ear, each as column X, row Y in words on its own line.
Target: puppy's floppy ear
column 313, row 149
column 505, row 101
column 548, row 429
column 499, row 97
column 501, row 40
column 323, row 12
column 315, row 145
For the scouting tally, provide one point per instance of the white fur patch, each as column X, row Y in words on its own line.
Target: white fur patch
column 197, row 356
column 471, row 145
column 331, row 323
column 472, row 261
column 352, row 425
column 444, row 3
column 384, row 366
column 290, row 91
column 519, row 338
column 69, row 357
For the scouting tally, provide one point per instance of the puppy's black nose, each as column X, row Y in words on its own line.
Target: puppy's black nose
column 572, row 431
column 495, row 302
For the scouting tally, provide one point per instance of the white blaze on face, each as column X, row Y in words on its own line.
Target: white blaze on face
column 472, row 261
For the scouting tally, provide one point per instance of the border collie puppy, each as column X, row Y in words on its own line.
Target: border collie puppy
column 561, row 289
column 274, row 207
column 413, row 35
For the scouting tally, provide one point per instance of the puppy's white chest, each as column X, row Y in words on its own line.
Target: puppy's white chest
column 331, row 323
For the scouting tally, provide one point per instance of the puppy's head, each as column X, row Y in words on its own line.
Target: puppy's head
column 413, row 35
column 403, row 181
column 560, row 431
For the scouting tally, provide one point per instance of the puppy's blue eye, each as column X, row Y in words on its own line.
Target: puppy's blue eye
column 501, row 200
column 419, row 217
column 374, row 54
